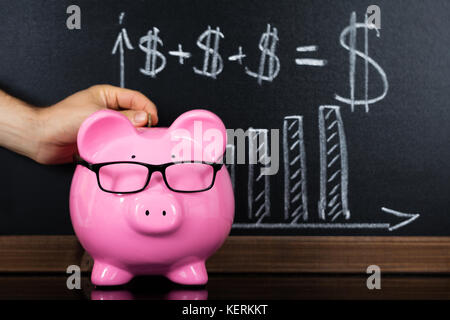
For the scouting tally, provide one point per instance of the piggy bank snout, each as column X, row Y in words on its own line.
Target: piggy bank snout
column 157, row 213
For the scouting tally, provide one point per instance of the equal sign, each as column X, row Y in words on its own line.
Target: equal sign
column 308, row 61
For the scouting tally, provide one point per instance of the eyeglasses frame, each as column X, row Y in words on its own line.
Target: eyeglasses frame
column 152, row 168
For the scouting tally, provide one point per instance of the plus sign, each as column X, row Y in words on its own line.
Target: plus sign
column 180, row 54
column 237, row 57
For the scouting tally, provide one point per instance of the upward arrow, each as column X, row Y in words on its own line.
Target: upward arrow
column 121, row 38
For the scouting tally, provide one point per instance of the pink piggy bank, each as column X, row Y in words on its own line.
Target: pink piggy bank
column 151, row 200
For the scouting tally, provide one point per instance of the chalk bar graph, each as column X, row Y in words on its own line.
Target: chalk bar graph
column 258, row 183
column 294, row 157
column 333, row 203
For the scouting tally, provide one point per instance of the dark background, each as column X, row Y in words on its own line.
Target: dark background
column 398, row 153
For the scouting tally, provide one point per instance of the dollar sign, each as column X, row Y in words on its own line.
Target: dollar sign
column 216, row 61
column 267, row 45
column 149, row 45
column 351, row 30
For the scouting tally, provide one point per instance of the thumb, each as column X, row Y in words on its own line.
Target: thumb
column 137, row 118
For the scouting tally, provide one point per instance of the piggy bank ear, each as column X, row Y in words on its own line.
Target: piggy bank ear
column 202, row 132
column 99, row 129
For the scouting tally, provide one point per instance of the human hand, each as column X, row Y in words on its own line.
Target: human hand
column 52, row 131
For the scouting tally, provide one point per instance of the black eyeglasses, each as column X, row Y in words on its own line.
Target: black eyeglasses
column 132, row 177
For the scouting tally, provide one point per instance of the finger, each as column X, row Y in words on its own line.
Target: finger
column 137, row 118
column 121, row 98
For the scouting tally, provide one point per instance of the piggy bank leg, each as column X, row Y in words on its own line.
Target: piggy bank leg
column 104, row 274
column 189, row 274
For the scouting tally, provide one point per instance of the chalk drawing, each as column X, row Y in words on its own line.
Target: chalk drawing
column 121, row 38
column 149, row 44
column 258, row 184
column 121, row 16
column 294, row 157
column 333, row 201
column 267, row 45
column 230, row 156
column 307, row 48
column 216, row 66
column 309, row 61
column 180, row 54
column 410, row 217
column 351, row 31
column 237, row 57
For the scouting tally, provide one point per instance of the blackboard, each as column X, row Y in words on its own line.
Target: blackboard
column 396, row 149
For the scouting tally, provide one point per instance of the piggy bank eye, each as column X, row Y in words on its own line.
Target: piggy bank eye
column 133, row 156
column 123, row 177
column 190, row 177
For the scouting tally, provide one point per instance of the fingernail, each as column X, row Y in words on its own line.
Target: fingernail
column 149, row 122
column 140, row 116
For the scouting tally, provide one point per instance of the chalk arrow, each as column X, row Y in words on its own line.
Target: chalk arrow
column 410, row 218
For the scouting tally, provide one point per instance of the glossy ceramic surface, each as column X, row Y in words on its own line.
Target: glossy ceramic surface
column 155, row 231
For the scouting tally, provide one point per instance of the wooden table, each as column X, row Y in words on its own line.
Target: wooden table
column 232, row 286
column 246, row 267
